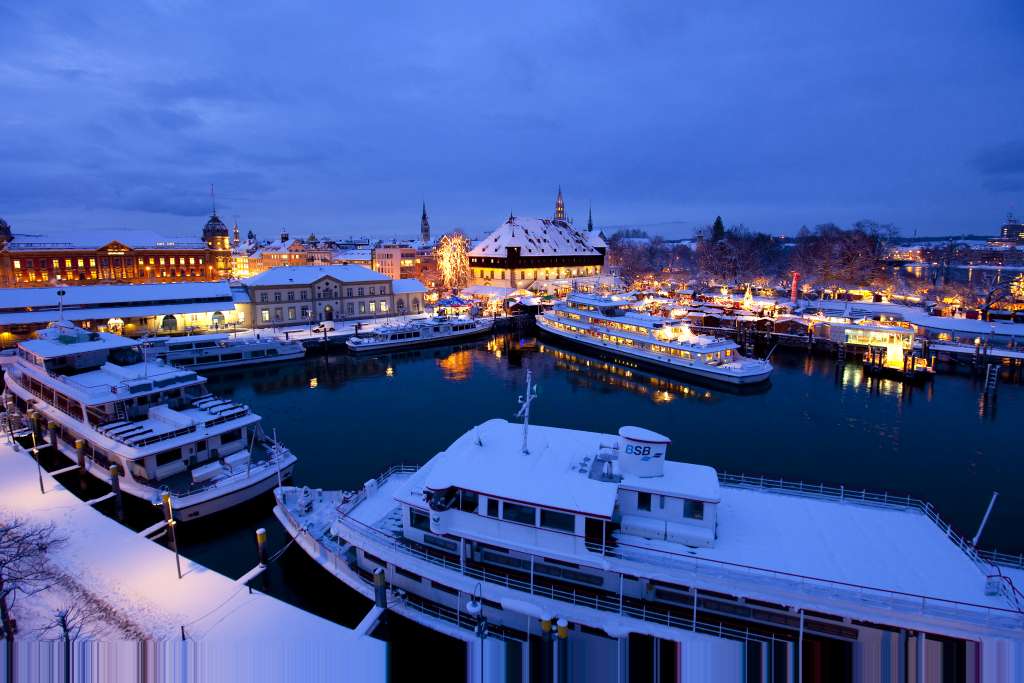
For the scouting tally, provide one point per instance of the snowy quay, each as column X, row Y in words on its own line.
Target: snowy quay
column 146, row 623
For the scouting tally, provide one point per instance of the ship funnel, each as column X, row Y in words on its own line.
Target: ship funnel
column 642, row 452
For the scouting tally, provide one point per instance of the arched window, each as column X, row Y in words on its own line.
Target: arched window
column 217, row 319
column 169, row 323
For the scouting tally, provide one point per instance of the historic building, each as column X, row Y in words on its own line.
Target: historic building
column 395, row 260
column 218, row 242
column 297, row 295
column 537, row 253
column 107, row 258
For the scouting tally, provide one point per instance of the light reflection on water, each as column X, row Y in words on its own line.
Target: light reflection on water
column 349, row 417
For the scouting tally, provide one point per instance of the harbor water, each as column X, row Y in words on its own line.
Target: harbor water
column 348, row 418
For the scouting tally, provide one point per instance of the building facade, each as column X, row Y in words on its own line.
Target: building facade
column 395, row 260
column 537, row 253
column 124, row 257
column 298, row 295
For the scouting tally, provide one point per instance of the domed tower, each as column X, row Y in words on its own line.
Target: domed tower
column 217, row 238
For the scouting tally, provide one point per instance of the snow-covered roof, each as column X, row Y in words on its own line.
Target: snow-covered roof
column 488, row 290
column 352, row 255
column 76, row 296
column 549, row 475
column 595, row 239
column 94, row 239
column 409, row 285
column 73, row 340
column 307, row 275
column 534, row 237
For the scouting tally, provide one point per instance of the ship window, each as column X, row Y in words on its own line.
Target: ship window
column 693, row 509
column 562, row 521
column 643, row 501
column 167, row 457
column 442, row 500
column 492, row 507
column 468, row 501
column 228, row 437
column 524, row 514
column 419, row 520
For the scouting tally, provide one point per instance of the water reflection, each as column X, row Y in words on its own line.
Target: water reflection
column 588, row 372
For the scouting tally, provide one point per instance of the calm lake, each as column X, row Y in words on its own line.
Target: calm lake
column 348, row 418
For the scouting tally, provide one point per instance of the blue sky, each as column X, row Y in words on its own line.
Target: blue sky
column 340, row 118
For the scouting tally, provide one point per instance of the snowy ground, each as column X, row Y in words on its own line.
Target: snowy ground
column 133, row 586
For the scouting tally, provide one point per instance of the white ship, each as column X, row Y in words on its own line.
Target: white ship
column 518, row 534
column 158, row 423
column 606, row 323
column 434, row 330
column 210, row 351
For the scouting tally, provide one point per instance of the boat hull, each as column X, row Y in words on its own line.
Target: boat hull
column 240, row 363
column 695, row 372
column 410, row 343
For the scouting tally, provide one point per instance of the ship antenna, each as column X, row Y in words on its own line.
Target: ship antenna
column 524, row 411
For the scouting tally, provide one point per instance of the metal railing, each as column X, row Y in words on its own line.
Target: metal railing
column 911, row 602
column 663, row 617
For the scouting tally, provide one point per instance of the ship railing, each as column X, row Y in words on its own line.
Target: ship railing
column 861, row 496
column 1004, row 559
column 645, row 613
column 276, row 457
column 728, row 571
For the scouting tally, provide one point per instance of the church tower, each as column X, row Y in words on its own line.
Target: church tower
column 236, row 238
column 424, row 226
column 590, row 219
column 559, row 206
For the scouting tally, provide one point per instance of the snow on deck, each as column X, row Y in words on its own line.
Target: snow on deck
column 877, row 547
column 137, row 578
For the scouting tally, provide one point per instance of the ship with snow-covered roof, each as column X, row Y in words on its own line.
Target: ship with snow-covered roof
column 419, row 332
column 608, row 324
column 518, row 532
column 220, row 350
column 107, row 404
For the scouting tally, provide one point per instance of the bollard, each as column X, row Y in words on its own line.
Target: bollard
column 261, row 546
column 165, row 498
column 115, row 487
column 547, row 655
column 80, row 454
column 563, row 651
column 51, row 431
column 380, row 588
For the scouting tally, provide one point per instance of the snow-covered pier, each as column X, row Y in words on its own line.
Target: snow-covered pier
column 135, row 584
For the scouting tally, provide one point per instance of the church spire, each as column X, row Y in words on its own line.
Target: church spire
column 424, row 226
column 590, row 218
column 559, row 206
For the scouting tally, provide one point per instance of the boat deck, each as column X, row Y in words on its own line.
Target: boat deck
column 882, row 548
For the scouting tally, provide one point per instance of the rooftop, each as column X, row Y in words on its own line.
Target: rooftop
column 535, row 237
column 409, row 285
column 549, row 475
column 307, row 275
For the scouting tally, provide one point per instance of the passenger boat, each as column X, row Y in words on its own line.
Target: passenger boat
column 518, row 532
column 420, row 332
column 210, row 351
column 607, row 323
column 106, row 404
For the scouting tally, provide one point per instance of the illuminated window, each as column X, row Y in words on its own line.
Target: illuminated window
column 56, row 264
column 17, row 264
column 162, row 261
column 81, row 263
column 383, row 306
column 67, row 263
column 191, row 260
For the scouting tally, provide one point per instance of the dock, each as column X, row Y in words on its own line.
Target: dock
column 136, row 581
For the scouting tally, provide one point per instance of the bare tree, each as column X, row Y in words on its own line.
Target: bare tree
column 66, row 624
column 24, row 564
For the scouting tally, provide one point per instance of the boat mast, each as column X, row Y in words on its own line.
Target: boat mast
column 524, row 410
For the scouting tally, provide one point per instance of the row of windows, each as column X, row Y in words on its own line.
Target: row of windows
column 350, row 309
column 326, row 292
column 692, row 509
column 103, row 261
column 538, row 274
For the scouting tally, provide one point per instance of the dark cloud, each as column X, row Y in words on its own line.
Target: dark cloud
column 340, row 118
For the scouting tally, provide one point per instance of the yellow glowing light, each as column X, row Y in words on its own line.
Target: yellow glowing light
column 390, row 372
column 313, row 382
column 452, row 254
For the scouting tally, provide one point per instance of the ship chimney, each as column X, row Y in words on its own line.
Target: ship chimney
column 642, row 452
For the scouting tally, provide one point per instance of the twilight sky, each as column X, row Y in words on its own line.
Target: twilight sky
column 340, row 118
